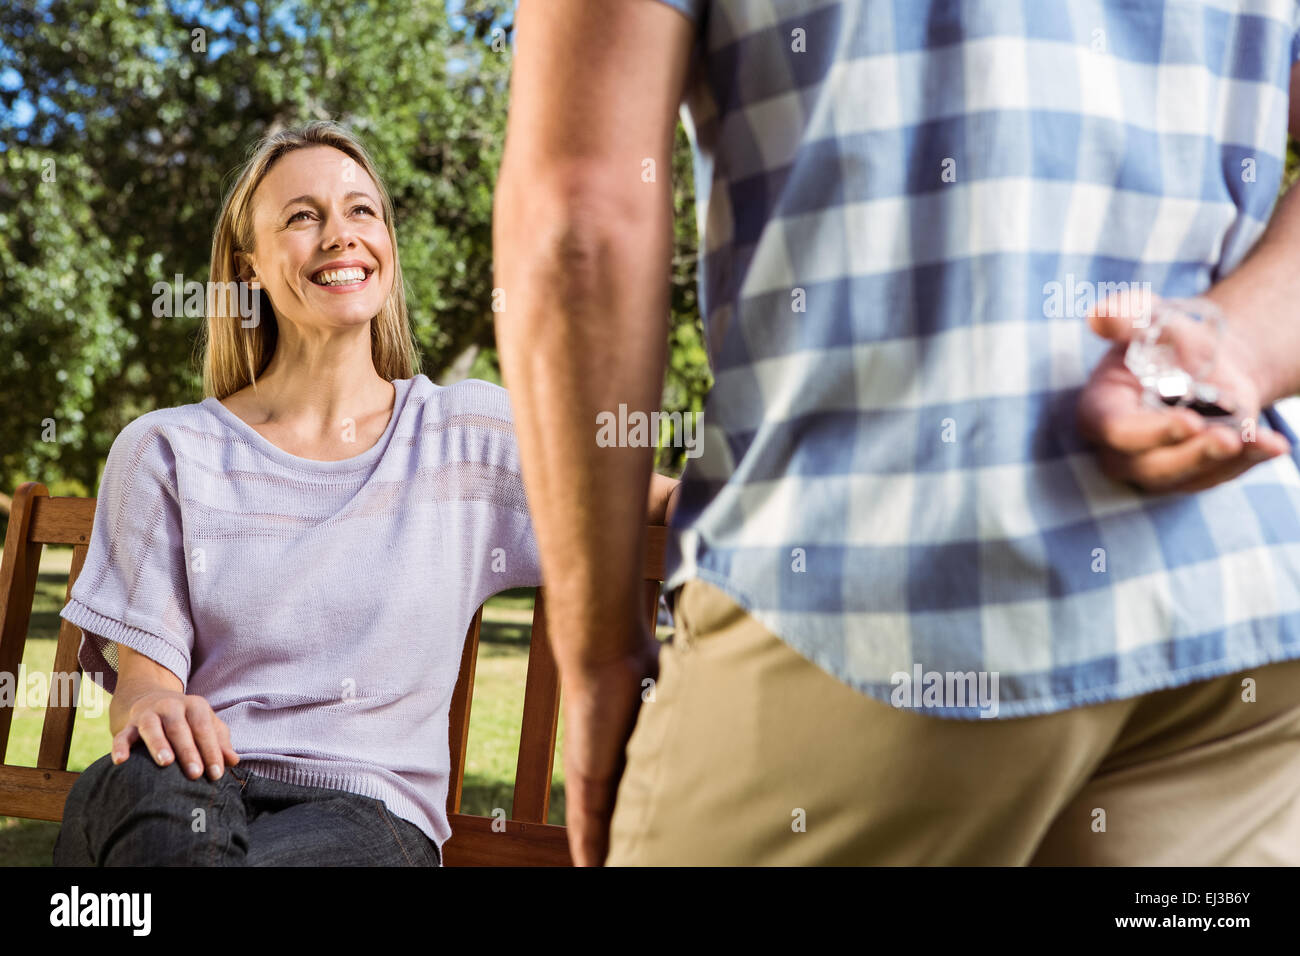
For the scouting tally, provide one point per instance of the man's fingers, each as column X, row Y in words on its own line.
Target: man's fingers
column 1117, row 328
column 1159, row 469
column 591, row 850
column 1113, row 317
column 581, row 830
column 1110, row 412
column 1133, row 429
column 589, row 806
column 1217, row 449
column 1214, row 476
column 1268, row 445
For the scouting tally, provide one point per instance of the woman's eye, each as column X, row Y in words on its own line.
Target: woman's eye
column 307, row 212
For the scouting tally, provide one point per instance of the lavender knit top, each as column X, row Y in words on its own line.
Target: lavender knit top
column 319, row 606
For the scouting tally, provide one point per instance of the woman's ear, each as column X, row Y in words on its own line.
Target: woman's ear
column 245, row 271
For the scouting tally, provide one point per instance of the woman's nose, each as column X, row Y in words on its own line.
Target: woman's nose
column 338, row 232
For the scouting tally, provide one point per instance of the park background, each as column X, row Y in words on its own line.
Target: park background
column 121, row 125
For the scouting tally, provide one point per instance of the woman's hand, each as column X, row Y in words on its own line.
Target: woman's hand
column 663, row 499
column 171, row 722
column 1174, row 450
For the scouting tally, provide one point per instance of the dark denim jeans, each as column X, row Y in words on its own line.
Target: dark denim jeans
column 137, row 813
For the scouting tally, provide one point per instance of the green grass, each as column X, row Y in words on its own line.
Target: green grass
column 496, row 715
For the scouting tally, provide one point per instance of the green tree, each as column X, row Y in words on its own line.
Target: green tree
column 687, row 379
column 142, row 113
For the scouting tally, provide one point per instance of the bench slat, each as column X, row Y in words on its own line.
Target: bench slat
column 541, row 718
column 18, row 570
column 63, row 521
column 56, row 733
column 521, row 844
column 34, row 794
column 458, row 718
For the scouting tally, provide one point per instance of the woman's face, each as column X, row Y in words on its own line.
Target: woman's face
column 317, row 211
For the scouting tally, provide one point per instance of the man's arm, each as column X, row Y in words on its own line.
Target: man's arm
column 1176, row 452
column 1262, row 295
column 582, row 234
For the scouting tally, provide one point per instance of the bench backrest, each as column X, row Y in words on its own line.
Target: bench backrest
column 39, row 792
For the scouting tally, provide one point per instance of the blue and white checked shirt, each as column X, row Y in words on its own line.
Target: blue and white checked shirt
column 901, row 203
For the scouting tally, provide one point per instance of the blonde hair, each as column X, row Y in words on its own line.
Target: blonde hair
column 233, row 356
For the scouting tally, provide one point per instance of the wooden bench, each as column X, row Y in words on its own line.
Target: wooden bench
column 38, row 793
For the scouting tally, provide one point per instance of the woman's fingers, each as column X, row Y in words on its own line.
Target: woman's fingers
column 207, row 737
column 227, row 749
column 177, row 725
column 150, row 727
column 122, row 742
column 181, row 728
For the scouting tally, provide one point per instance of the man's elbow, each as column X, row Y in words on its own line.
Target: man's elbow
column 569, row 248
column 574, row 226
column 575, row 208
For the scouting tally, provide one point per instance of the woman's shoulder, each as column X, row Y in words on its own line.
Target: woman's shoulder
column 145, row 451
column 469, row 396
column 172, row 423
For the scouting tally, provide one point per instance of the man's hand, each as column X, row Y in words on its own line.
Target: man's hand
column 600, row 710
column 1173, row 450
column 601, row 704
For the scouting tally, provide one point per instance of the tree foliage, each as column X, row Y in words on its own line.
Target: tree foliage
column 144, row 110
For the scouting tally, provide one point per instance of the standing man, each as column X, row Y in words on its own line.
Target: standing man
column 950, row 592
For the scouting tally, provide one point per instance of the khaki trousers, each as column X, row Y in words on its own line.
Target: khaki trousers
column 750, row 754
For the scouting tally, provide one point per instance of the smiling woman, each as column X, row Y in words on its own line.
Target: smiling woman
column 280, row 577
column 280, row 237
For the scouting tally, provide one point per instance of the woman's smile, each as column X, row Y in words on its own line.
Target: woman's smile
column 343, row 277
